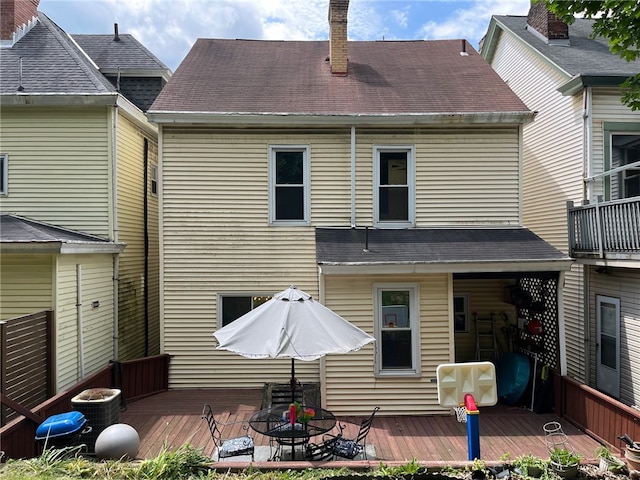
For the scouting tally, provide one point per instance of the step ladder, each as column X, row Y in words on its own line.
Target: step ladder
column 486, row 343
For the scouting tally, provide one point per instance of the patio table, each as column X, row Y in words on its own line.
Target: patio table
column 273, row 423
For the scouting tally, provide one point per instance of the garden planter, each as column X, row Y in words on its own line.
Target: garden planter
column 534, row 472
column 633, row 458
column 565, row 471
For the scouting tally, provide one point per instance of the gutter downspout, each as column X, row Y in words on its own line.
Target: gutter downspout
column 353, row 176
column 146, row 245
column 116, row 257
column 80, row 323
column 588, row 194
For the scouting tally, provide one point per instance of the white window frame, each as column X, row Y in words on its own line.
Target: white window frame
column 154, row 180
column 273, row 149
column 612, row 129
column 411, row 175
column 414, row 323
column 4, row 172
column 253, row 296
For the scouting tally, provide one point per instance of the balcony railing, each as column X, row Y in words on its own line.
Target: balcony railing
column 605, row 230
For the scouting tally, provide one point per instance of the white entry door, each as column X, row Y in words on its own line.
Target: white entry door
column 608, row 345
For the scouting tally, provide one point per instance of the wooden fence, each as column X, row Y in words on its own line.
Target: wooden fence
column 597, row 414
column 135, row 378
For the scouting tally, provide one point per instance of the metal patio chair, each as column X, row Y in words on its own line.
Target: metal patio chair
column 339, row 446
column 230, row 447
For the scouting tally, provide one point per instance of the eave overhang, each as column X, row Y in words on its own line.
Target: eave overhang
column 282, row 118
column 579, row 82
column 514, row 266
column 59, row 247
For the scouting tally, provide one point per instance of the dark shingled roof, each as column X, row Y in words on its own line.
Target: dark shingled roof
column 17, row 229
column 584, row 55
column 127, row 53
column 346, row 246
column 51, row 63
column 384, row 78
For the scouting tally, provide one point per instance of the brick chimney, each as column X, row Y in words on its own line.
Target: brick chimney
column 16, row 14
column 338, row 36
column 547, row 25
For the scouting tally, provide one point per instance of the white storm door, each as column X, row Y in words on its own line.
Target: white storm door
column 608, row 345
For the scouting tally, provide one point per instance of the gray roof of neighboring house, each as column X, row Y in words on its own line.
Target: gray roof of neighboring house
column 583, row 56
column 126, row 53
column 23, row 233
column 51, row 63
column 347, row 246
column 384, row 78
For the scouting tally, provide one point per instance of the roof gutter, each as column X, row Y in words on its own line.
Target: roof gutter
column 70, row 248
column 446, row 267
column 282, row 118
column 579, row 82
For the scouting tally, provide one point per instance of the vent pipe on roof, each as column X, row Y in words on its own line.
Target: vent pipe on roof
column 463, row 51
column 20, row 87
column 116, row 36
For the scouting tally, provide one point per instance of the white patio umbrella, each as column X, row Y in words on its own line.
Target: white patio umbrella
column 291, row 325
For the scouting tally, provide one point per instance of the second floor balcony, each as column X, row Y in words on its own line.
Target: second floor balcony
column 605, row 230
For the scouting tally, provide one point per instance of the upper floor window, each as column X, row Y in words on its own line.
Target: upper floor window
column 622, row 160
column 289, row 179
column 154, row 180
column 394, row 189
column 396, row 319
column 4, row 171
column 234, row 306
column 460, row 313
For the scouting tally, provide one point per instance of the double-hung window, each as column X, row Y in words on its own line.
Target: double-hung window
column 394, row 189
column 289, row 179
column 154, row 180
column 4, row 171
column 396, row 316
column 233, row 307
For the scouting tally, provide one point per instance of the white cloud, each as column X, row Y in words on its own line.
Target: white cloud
column 472, row 22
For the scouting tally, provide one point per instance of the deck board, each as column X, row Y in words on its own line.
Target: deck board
column 173, row 418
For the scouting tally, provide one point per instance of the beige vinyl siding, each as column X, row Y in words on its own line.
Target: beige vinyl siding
column 26, row 284
column 97, row 272
column 624, row 284
column 552, row 168
column 352, row 387
column 131, row 283
column 484, row 298
column 58, row 166
column 217, row 240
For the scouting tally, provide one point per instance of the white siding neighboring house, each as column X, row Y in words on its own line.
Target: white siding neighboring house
column 383, row 181
column 79, row 217
column 583, row 147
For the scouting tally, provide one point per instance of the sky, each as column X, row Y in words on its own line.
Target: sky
column 168, row 28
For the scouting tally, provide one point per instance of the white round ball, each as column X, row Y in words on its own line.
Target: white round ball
column 117, row 441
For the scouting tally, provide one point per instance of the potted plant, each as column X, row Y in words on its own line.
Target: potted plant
column 530, row 465
column 608, row 461
column 564, row 462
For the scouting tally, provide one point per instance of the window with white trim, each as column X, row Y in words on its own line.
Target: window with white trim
column 621, row 160
column 394, row 189
column 289, row 178
column 4, row 173
column 396, row 317
column 233, row 307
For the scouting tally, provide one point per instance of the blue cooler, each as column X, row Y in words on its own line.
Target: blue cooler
column 62, row 429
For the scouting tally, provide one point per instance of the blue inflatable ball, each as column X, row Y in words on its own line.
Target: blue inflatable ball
column 118, row 441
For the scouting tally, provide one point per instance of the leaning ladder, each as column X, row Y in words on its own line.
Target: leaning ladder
column 486, row 344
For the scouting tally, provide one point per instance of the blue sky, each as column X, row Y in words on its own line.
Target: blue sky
column 169, row 27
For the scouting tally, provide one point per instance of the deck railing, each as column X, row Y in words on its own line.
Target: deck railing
column 135, row 378
column 605, row 230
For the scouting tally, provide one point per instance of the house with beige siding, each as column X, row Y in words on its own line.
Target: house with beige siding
column 383, row 178
column 78, row 196
column 581, row 183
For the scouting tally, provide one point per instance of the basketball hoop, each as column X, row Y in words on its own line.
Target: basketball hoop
column 461, row 413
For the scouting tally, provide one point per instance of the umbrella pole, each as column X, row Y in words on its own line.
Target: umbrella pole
column 293, row 381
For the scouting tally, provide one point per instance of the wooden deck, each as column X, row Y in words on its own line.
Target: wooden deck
column 173, row 418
